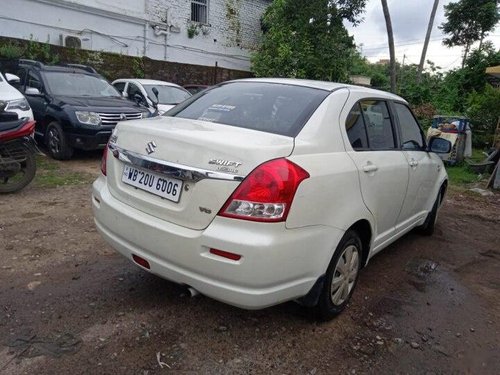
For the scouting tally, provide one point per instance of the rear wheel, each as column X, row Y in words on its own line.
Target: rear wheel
column 56, row 142
column 341, row 277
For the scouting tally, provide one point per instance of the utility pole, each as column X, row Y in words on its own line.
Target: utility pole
column 426, row 42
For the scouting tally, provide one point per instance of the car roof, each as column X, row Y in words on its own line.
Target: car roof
column 324, row 85
column 56, row 68
column 146, row 81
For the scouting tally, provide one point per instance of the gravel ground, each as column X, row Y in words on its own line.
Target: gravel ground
column 70, row 305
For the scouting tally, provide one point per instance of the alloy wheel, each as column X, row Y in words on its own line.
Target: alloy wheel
column 54, row 141
column 345, row 275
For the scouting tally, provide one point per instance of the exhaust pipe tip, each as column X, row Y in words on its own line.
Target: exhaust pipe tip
column 192, row 292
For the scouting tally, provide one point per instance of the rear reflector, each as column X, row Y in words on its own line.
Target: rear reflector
column 141, row 261
column 225, row 254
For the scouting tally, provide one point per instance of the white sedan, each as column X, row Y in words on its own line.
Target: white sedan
column 261, row 191
column 141, row 90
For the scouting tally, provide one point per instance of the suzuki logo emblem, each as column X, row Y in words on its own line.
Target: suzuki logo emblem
column 150, row 147
column 123, row 116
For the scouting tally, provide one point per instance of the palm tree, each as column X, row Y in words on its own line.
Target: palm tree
column 426, row 42
column 390, row 36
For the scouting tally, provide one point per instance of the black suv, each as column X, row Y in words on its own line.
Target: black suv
column 74, row 107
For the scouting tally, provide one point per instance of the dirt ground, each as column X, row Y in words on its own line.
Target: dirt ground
column 70, row 305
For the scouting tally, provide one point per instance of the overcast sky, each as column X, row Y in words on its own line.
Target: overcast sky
column 409, row 23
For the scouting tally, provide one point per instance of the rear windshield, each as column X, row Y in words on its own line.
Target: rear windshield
column 269, row 107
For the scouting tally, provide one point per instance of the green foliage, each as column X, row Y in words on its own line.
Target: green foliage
column 138, row 67
column 36, row 50
column 192, row 30
column 11, row 51
column 484, row 111
column 307, row 39
column 468, row 21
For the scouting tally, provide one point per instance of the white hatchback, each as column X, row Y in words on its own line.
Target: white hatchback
column 261, row 191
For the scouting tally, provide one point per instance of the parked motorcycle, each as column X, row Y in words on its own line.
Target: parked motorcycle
column 17, row 151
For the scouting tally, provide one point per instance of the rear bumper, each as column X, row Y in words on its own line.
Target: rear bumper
column 277, row 264
column 89, row 142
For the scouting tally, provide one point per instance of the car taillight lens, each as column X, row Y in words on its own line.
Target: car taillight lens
column 103, row 160
column 266, row 194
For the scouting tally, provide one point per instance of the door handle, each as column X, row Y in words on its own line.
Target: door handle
column 413, row 163
column 368, row 168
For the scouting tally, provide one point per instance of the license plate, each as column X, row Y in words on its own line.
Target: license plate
column 165, row 187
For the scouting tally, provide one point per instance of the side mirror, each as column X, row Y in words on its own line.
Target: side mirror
column 32, row 91
column 439, row 146
column 124, row 94
column 12, row 78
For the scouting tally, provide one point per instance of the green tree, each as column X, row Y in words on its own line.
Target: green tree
column 484, row 111
column 459, row 83
column 307, row 39
column 469, row 21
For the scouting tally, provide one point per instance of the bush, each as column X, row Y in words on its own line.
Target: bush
column 484, row 112
column 425, row 112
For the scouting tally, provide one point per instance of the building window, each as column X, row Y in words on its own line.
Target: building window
column 199, row 11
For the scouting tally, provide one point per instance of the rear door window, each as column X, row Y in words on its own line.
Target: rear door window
column 274, row 108
column 378, row 124
column 369, row 126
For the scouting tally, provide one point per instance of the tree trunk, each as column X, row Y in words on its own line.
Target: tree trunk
column 390, row 37
column 466, row 53
column 426, row 42
column 481, row 40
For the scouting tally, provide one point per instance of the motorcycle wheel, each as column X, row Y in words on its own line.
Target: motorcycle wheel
column 23, row 177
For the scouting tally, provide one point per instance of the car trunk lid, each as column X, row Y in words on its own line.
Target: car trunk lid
column 208, row 159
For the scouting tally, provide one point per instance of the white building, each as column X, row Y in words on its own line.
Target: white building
column 200, row 32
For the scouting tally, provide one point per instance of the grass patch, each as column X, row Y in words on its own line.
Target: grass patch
column 477, row 155
column 461, row 174
column 52, row 173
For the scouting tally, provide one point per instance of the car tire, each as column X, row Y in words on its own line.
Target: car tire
column 339, row 280
column 56, row 142
column 427, row 228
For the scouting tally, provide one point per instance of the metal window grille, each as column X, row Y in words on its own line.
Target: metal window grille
column 199, row 11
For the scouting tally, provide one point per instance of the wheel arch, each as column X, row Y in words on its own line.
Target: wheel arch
column 365, row 232
column 46, row 121
column 443, row 189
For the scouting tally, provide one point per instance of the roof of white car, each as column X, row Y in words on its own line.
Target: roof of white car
column 146, row 81
column 324, row 85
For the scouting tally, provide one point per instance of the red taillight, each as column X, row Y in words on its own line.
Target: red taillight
column 103, row 160
column 266, row 194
